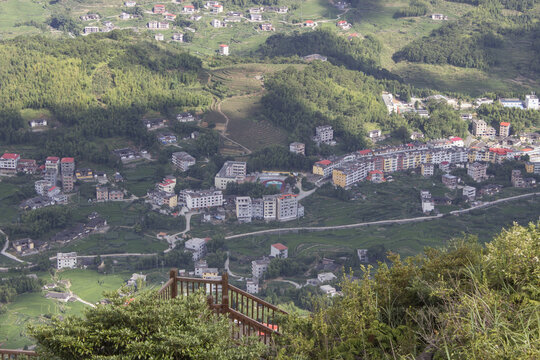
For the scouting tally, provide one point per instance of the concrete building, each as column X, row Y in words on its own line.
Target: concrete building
column 201, row 199
column 66, row 260
column 231, row 171
column 469, row 192
column 511, row 103
column 167, row 185
column 427, row 169
column 517, row 179
column 41, row 187
column 200, row 266
column 197, row 247
column 323, row 134
column 8, row 163
column 279, row 250
column 450, row 181
column 328, row 290
column 52, row 163
column 428, row 205
column 252, row 287
column 297, row 148
column 259, row 267
column 326, row 277
column 287, row 207
column 477, row 171
column 269, row 207
column 182, row 160
column 531, row 102
column 102, row 193
column 504, row 129
column 224, row 49
column 244, row 211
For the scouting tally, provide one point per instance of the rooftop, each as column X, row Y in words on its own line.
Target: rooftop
column 10, row 156
column 279, row 246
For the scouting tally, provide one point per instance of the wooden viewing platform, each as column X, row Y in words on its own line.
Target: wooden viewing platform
column 249, row 315
column 6, row 354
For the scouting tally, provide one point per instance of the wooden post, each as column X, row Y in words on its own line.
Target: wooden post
column 225, row 292
column 174, row 285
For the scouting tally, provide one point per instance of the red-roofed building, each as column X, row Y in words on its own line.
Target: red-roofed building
column 343, row 25
column 170, row 17
column 224, row 49
column 27, row 166
column 376, row 176
column 310, row 23
column 189, row 9
column 324, row 162
column 8, row 163
column 365, row 152
column 457, row 141
column 279, row 251
column 52, row 163
column 167, row 185
column 159, row 9
column 504, row 129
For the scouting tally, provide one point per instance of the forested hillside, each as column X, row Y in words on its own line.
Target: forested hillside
column 323, row 94
column 349, row 101
column 472, row 41
column 353, row 53
column 96, row 86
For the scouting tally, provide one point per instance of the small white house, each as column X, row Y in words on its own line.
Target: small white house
column 224, row 50
column 328, row 290
column 159, row 37
column 216, row 23
column 252, row 287
column 326, row 277
column 279, row 250
column 38, row 122
column 197, row 246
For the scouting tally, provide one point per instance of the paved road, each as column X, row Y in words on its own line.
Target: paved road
column 109, row 255
column 172, row 239
column 229, row 272
column 296, row 285
column 6, row 246
column 380, row 222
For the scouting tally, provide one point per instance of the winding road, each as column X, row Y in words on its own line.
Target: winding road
column 380, row 222
column 6, row 246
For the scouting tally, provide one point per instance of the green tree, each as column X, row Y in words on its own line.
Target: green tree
column 144, row 327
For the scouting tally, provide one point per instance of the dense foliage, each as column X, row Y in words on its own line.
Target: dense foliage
column 461, row 302
column 353, row 53
column 254, row 190
column 95, row 86
column 443, row 122
column 11, row 287
column 143, row 327
column 35, row 223
column 323, row 94
column 415, row 8
column 278, row 158
column 519, row 119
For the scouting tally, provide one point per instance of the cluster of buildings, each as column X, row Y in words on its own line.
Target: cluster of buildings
column 163, row 194
column 280, row 207
column 482, row 129
column 530, row 103
column 520, row 182
column 94, row 224
column 58, row 178
column 260, row 266
column 104, row 193
column 352, row 168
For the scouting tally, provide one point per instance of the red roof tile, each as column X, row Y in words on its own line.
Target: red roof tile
column 279, row 246
column 365, row 152
column 52, row 158
column 324, row 162
column 505, row 124
column 68, row 160
column 10, row 156
column 456, row 138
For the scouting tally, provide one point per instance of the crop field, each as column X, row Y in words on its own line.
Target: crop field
column 244, row 126
column 33, row 308
column 10, row 17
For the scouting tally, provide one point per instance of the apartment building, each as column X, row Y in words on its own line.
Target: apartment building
column 244, row 210
column 477, row 171
column 504, row 129
column 469, row 192
column 231, row 171
column 450, row 181
column 201, row 199
column 269, row 207
column 182, row 160
column 349, row 174
column 427, row 169
column 259, row 267
column 66, row 260
column 52, row 163
column 479, row 127
column 323, row 134
column 197, row 247
column 287, row 207
column 167, row 185
column 8, row 163
column 428, row 205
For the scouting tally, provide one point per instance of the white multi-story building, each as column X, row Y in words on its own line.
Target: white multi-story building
column 427, row 169
column 257, row 209
column 244, row 211
column 427, row 202
column 201, row 199
column 52, row 163
column 224, row 49
column 200, row 267
column 252, row 287
column 197, row 247
column 328, row 290
column 91, row 29
column 42, row 186
column 259, row 267
column 531, row 102
column 287, row 207
column 326, row 277
column 167, row 185
column 8, row 163
column 231, row 171
column 158, row 25
column 182, row 160
column 269, row 207
column 469, row 192
column 66, row 260
column 279, row 250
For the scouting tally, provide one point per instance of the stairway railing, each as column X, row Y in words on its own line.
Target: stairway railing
column 249, row 315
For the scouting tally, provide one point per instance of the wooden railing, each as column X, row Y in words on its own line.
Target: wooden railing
column 16, row 354
column 250, row 316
